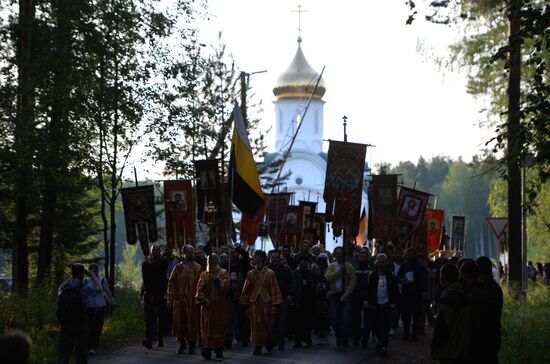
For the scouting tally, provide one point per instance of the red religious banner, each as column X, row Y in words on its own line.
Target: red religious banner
column 344, row 187
column 383, row 202
column 277, row 205
column 293, row 226
column 180, row 222
column 140, row 216
column 410, row 212
column 249, row 225
column 434, row 219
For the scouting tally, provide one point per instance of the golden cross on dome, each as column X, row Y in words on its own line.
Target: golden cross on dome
column 299, row 11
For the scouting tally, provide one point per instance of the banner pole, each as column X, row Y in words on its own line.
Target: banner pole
column 231, row 223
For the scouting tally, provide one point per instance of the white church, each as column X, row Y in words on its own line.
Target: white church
column 307, row 162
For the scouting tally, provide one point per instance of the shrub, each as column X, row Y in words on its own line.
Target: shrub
column 526, row 327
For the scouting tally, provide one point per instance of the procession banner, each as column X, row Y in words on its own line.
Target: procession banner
column 277, row 205
column 458, row 225
column 208, row 185
column 320, row 226
column 140, row 216
column 344, row 186
column 384, row 200
column 178, row 206
column 411, row 208
column 293, row 226
column 370, row 195
column 434, row 219
column 309, row 221
column 419, row 238
column 250, row 225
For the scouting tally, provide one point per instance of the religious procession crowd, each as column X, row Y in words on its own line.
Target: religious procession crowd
column 228, row 297
column 269, row 299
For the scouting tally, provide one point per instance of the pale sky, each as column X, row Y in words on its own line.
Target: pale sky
column 392, row 96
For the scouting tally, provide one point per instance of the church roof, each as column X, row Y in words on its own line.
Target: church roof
column 299, row 79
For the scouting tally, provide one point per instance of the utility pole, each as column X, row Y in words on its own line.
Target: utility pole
column 514, row 146
column 244, row 86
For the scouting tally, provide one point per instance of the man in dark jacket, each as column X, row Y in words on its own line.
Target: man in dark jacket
column 286, row 285
column 476, row 296
column 413, row 279
column 241, row 268
column 492, row 330
column 153, row 292
column 450, row 335
column 382, row 295
column 358, row 310
column 305, row 282
column 291, row 262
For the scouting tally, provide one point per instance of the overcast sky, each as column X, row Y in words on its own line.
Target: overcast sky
column 393, row 97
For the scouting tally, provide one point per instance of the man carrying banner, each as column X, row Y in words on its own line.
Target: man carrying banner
column 181, row 300
column 261, row 293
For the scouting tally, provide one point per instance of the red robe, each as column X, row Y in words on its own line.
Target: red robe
column 261, row 292
column 182, row 288
column 214, row 316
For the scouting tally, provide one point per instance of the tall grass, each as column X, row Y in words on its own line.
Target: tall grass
column 36, row 316
column 526, row 327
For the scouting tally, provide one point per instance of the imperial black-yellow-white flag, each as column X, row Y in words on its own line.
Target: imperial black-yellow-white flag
column 244, row 180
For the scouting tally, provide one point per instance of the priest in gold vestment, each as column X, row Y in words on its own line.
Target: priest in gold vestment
column 261, row 293
column 212, row 297
column 181, row 300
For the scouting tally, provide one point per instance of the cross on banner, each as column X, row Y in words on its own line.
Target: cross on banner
column 498, row 225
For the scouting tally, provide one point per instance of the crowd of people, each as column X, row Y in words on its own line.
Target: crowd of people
column 229, row 297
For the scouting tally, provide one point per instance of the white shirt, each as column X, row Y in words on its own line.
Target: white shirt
column 382, row 296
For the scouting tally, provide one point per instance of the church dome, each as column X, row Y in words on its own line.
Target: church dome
column 299, row 79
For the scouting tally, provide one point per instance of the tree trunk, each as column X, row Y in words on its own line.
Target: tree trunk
column 57, row 137
column 23, row 148
column 114, row 170
column 514, row 146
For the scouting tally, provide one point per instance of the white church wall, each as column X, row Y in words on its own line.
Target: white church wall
column 310, row 137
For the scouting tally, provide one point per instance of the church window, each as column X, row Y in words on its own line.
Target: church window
column 298, row 181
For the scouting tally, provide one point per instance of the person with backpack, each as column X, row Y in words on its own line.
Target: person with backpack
column 96, row 309
column 72, row 316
